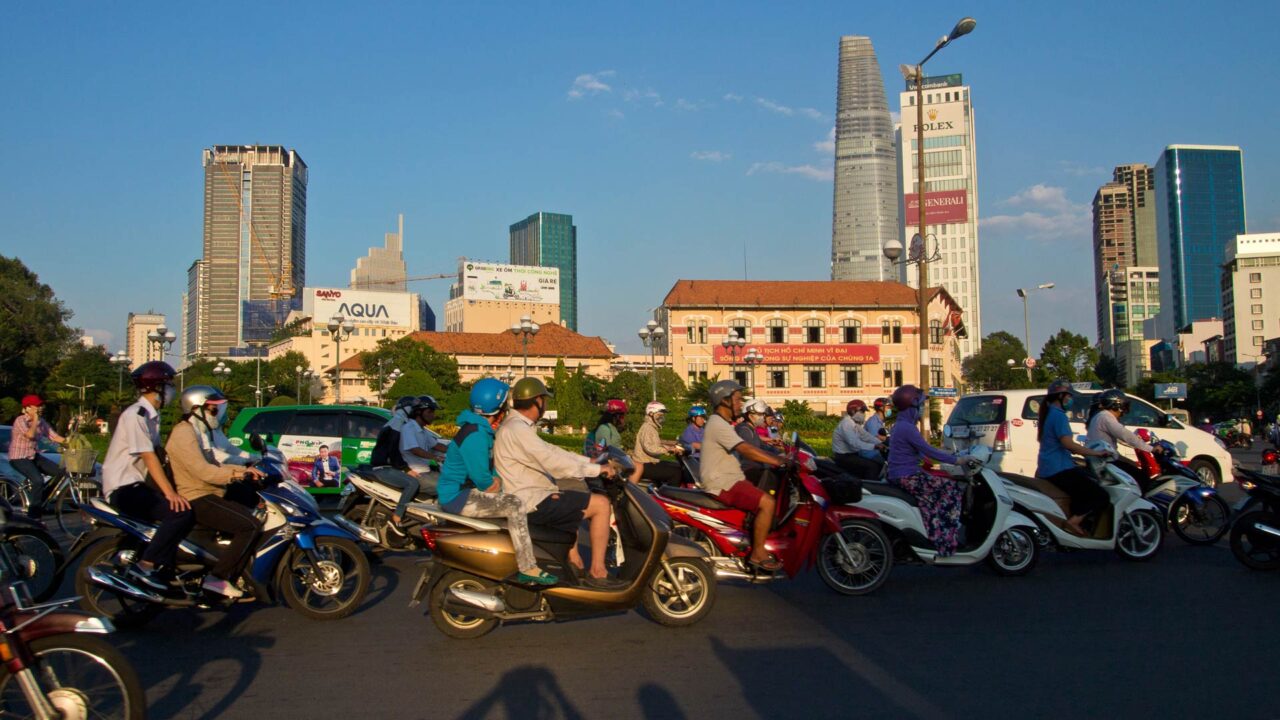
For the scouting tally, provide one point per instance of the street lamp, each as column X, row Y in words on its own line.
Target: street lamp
column 340, row 329
column 733, row 343
column 81, row 388
column 753, row 358
column 122, row 362
column 392, row 378
column 651, row 335
column 162, row 339
column 1026, row 321
column 917, row 253
column 221, row 371
column 309, row 375
column 525, row 330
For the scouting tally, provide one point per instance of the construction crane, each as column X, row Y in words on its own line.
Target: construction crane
column 370, row 284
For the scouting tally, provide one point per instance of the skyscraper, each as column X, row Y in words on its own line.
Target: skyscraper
column 1124, row 237
column 383, row 268
column 136, row 345
column 255, row 244
column 1199, row 212
column 551, row 240
column 864, row 214
column 951, row 193
column 192, row 312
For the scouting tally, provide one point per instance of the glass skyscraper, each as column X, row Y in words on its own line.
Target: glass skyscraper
column 864, row 213
column 551, row 240
column 1199, row 212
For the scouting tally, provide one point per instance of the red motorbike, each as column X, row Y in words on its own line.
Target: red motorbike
column 812, row 526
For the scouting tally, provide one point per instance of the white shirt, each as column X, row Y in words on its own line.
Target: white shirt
column 414, row 436
column 529, row 466
column 850, row 437
column 137, row 432
column 216, row 442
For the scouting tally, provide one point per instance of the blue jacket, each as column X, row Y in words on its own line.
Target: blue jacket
column 468, row 463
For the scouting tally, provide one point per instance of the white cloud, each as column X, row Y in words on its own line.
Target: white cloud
column 710, row 155
column 811, row 172
column 770, row 105
column 646, row 95
column 1047, row 214
column 590, row 84
column 730, row 97
column 828, row 146
column 690, row 105
column 614, row 113
column 1041, row 196
column 100, row 336
column 811, row 113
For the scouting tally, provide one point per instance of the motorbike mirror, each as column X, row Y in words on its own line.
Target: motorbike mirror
column 256, row 442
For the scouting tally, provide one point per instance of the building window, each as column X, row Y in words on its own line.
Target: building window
column 697, row 332
column 851, row 330
column 1255, row 309
column 890, row 331
column 892, row 373
column 1255, row 277
column 813, row 330
column 741, row 378
column 1257, row 341
column 936, row 378
column 852, row 375
column 778, row 377
column 935, row 332
column 1257, row 324
column 815, row 376
column 1255, row 294
column 740, row 327
column 777, row 329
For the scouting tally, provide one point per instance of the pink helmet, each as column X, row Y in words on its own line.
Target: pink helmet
column 907, row 396
column 616, row 406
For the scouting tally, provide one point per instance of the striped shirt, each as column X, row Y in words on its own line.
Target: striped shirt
column 20, row 446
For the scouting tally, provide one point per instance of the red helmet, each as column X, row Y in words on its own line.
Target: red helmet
column 153, row 376
column 855, row 406
column 907, row 396
column 615, row 406
column 32, row 401
column 880, row 403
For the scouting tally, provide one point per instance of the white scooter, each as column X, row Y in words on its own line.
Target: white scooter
column 995, row 531
column 368, row 503
column 1131, row 525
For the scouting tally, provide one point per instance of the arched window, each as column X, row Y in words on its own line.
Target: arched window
column 851, row 330
column 777, row 330
column 813, row 330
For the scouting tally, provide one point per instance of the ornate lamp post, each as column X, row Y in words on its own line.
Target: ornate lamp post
column 339, row 329
column 122, row 363
column 753, row 358
column 651, row 335
column 162, row 339
column 222, row 372
column 525, row 330
column 733, row 343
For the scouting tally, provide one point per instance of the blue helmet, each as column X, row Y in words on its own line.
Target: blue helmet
column 489, row 396
column 697, row 411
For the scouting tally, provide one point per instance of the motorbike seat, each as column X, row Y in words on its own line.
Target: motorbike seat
column 692, row 496
column 426, row 481
column 875, row 487
column 1040, row 485
column 541, row 533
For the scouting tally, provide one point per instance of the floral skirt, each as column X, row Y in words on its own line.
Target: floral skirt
column 940, row 500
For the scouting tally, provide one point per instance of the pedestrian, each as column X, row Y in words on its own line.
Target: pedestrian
column 24, row 451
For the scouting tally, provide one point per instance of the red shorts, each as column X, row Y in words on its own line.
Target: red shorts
column 743, row 496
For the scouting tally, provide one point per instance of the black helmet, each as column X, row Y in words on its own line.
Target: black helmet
column 153, row 376
column 1058, row 387
column 1112, row 400
column 426, row 402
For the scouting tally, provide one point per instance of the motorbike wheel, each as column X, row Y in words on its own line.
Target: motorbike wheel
column 1200, row 525
column 81, row 676
column 871, row 562
column 1255, row 548
column 463, row 627
column 1014, row 552
column 39, row 561
column 333, row 589
column 71, row 520
column 122, row 610
column 1139, row 535
column 680, row 593
column 697, row 536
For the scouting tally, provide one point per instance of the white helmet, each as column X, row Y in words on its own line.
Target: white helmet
column 654, row 407
column 197, row 397
column 756, row 407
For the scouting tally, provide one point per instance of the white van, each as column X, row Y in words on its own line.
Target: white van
column 1005, row 421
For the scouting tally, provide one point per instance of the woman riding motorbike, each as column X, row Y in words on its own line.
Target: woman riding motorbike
column 1105, row 426
column 939, row 498
column 691, row 438
column 1055, row 462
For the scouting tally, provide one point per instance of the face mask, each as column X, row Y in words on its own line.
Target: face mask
column 1066, row 403
column 168, row 394
column 888, row 412
column 860, row 418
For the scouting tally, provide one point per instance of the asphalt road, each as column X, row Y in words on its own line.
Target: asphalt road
column 1190, row 634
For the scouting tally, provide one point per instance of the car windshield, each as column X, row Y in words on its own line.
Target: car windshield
column 1077, row 413
column 979, row 410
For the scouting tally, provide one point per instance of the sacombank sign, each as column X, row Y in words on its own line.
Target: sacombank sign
column 361, row 307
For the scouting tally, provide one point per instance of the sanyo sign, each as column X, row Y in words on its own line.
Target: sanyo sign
column 362, row 307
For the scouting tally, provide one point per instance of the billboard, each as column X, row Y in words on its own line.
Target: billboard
column 361, row 307
column 803, row 354
column 938, row 81
column 939, row 119
column 1171, row 391
column 943, row 206
column 519, row 283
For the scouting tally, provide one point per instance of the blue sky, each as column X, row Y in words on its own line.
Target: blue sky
column 675, row 133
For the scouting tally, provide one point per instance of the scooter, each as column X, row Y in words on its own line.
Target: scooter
column 368, row 504
column 1193, row 509
column 812, row 525
column 1255, row 535
column 1130, row 525
column 316, row 567
column 469, row 584
column 994, row 530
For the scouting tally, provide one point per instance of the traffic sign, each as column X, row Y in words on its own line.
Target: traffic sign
column 1030, row 363
column 943, row 392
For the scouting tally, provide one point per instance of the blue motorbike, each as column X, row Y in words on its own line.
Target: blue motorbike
column 1194, row 510
column 304, row 559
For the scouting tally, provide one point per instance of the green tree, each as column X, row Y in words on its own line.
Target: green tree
column 415, row 382
column 1220, row 391
column 409, row 355
column 1108, row 372
column 989, row 368
column 573, row 402
column 34, row 334
column 84, row 366
column 1067, row 355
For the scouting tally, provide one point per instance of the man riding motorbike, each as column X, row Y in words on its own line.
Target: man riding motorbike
column 876, row 423
column 1105, row 426
column 753, row 432
column 389, row 463
column 853, row 447
column 529, row 466
column 1055, row 462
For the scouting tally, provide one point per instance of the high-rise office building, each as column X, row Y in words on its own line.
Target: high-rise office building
column 551, row 240
column 1250, row 283
column 191, row 313
column 1199, row 193
column 255, row 243
column 864, row 213
column 951, row 193
column 1124, row 237
column 383, row 268
column 136, row 345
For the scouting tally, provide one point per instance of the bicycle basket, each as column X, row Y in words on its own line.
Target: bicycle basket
column 79, row 460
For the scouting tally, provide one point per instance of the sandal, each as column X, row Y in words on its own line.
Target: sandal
column 542, row 578
column 770, row 566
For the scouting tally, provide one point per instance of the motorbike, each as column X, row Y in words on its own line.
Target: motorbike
column 1193, row 509
column 368, row 504
column 1130, row 524
column 1255, row 535
column 55, row 665
column 314, row 566
column 469, row 582
column 38, row 559
column 813, row 524
column 994, row 530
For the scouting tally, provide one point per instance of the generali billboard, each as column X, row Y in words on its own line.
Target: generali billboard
column 944, row 206
column 804, row 354
column 361, row 307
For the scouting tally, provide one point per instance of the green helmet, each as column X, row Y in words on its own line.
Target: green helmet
column 528, row 389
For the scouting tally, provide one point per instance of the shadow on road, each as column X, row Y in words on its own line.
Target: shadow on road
column 525, row 692
column 383, row 583
column 657, row 703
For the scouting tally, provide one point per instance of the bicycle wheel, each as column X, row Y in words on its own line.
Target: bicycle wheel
column 71, row 519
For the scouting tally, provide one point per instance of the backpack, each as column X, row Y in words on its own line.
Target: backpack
column 386, row 450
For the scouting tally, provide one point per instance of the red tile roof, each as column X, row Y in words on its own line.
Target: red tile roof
column 793, row 293
column 552, row 340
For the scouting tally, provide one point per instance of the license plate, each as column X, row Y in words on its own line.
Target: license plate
column 960, row 432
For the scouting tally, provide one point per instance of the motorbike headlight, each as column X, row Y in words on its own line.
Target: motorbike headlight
column 1248, row 484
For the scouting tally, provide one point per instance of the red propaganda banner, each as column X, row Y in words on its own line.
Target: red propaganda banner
column 804, row 354
column 944, row 206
